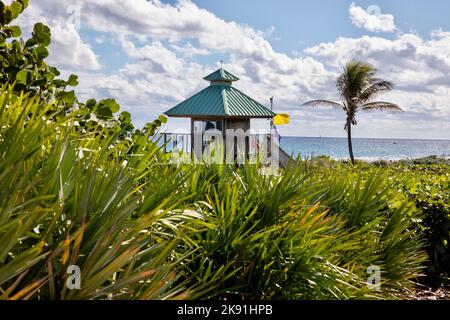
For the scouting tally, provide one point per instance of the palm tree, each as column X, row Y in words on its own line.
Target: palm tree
column 358, row 87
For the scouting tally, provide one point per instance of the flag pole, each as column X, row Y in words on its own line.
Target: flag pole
column 271, row 108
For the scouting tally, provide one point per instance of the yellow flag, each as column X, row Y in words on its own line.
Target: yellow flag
column 281, row 119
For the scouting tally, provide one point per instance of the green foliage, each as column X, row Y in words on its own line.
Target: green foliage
column 307, row 233
column 66, row 200
column 22, row 62
column 426, row 184
column 139, row 229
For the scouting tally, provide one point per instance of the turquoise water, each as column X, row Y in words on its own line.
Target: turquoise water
column 366, row 149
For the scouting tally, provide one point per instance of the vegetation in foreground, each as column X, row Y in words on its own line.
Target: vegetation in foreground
column 426, row 183
column 141, row 229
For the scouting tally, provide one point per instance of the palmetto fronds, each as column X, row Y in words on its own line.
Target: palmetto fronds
column 375, row 88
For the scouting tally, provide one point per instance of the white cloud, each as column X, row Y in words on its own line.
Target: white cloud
column 189, row 51
column 68, row 50
column 161, row 59
column 411, row 62
column 372, row 19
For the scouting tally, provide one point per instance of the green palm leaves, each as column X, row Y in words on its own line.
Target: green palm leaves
column 358, row 87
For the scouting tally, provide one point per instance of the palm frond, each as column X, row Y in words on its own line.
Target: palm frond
column 374, row 89
column 380, row 106
column 323, row 103
column 356, row 76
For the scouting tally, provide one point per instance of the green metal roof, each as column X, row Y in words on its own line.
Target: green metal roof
column 220, row 100
column 221, row 75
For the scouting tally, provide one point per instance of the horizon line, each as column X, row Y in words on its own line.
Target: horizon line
column 322, row 137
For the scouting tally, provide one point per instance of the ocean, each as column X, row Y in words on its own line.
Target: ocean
column 366, row 149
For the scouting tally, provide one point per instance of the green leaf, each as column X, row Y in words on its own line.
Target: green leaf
column 24, row 3
column 66, row 97
column 54, row 71
column 23, row 77
column 111, row 104
column 73, row 80
column 40, row 82
column 163, row 119
column 90, row 104
column 6, row 17
column 125, row 117
column 58, row 83
column 104, row 111
column 16, row 9
column 31, row 42
column 42, row 33
column 41, row 52
column 15, row 31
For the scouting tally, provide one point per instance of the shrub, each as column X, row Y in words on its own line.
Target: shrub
column 305, row 233
column 66, row 199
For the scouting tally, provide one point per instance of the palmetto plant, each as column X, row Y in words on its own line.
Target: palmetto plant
column 67, row 199
column 302, row 234
column 358, row 87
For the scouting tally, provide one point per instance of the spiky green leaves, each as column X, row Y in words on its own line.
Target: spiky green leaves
column 67, row 199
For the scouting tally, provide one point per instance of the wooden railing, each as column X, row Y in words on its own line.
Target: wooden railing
column 182, row 142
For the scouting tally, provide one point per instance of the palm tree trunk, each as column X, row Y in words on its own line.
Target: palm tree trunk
column 349, row 136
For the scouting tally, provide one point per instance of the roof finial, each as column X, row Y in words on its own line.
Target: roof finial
column 221, row 64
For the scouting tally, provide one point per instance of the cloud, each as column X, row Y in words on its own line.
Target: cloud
column 418, row 68
column 412, row 63
column 161, row 59
column 371, row 19
column 68, row 48
column 189, row 51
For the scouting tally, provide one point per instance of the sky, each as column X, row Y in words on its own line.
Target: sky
column 151, row 55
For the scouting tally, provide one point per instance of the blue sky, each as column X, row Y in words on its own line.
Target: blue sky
column 150, row 55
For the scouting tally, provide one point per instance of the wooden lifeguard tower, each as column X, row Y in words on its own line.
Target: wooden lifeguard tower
column 220, row 106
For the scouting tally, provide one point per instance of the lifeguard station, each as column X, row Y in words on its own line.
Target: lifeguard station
column 218, row 107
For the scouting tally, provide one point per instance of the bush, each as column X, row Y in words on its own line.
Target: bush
column 306, row 233
column 67, row 199
column 426, row 184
